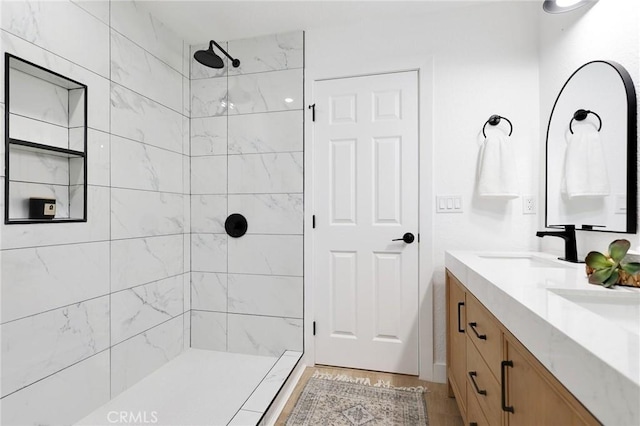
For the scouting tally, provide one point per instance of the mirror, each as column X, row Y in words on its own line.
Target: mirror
column 591, row 151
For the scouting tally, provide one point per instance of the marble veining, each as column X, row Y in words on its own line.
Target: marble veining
column 97, row 229
column 209, row 175
column 270, row 213
column 29, row 166
column 265, row 295
column 39, row 279
column 208, row 213
column 209, row 252
column 38, row 99
column 134, row 67
column 40, row 345
column 268, row 53
column 142, row 166
column 270, row 254
column 208, row 136
column 259, row 335
column 137, row 24
column 135, row 213
column 98, row 8
column 143, row 260
column 135, row 117
column 266, row 173
column 263, row 92
column 98, row 102
column 266, row 132
column 84, row 41
column 60, row 398
column 208, row 291
column 209, row 97
column 140, row 308
column 134, row 359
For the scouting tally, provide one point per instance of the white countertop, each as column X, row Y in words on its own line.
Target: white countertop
column 596, row 357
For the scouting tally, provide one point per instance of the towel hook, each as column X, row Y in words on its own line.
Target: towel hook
column 494, row 120
column 582, row 114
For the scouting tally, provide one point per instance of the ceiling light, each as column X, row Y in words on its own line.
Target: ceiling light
column 560, row 6
column 288, row 100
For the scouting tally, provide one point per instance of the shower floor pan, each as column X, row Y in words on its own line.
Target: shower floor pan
column 200, row 387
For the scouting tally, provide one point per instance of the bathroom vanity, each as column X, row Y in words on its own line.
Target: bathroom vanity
column 530, row 341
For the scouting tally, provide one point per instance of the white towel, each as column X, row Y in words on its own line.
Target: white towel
column 585, row 170
column 497, row 172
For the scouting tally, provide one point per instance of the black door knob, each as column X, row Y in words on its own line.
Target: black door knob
column 407, row 238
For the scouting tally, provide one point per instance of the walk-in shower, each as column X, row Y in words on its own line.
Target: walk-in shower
column 208, row 57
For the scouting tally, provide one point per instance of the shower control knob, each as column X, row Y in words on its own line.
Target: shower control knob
column 407, row 238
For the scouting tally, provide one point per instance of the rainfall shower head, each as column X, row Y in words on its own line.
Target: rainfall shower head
column 208, row 57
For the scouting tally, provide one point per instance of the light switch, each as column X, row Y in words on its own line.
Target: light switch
column 449, row 204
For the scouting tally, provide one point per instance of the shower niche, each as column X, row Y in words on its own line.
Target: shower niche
column 45, row 145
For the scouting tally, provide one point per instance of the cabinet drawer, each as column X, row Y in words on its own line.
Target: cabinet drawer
column 483, row 330
column 475, row 416
column 488, row 388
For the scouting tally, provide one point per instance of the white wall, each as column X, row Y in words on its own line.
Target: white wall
column 609, row 30
column 475, row 62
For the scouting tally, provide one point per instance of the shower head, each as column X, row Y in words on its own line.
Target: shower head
column 208, row 57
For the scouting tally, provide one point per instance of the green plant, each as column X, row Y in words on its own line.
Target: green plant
column 607, row 269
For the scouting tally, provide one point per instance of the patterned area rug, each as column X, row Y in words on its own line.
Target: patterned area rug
column 343, row 400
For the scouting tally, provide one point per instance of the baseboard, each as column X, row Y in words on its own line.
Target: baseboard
column 278, row 404
column 440, row 372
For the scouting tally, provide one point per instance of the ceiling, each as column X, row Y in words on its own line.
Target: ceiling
column 199, row 21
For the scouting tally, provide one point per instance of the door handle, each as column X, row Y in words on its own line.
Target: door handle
column 407, row 238
column 503, row 390
column 473, row 374
column 460, row 305
column 473, row 326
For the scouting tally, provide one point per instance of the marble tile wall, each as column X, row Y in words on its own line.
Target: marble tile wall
column 247, row 157
column 88, row 309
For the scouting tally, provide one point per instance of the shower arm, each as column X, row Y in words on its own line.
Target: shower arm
column 212, row 42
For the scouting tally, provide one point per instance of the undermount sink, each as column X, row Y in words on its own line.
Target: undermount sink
column 621, row 308
column 524, row 261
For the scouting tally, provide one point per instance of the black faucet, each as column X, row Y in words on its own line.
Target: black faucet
column 569, row 237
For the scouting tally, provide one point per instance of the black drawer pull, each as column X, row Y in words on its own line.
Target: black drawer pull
column 473, row 374
column 503, row 397
column 473, row 326
column 473, row 424
column 460, row 329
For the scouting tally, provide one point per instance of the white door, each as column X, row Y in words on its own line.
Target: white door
column 366, row 195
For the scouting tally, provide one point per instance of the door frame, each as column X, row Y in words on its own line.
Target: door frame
column 426, row 319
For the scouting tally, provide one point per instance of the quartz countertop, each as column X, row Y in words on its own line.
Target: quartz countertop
column 596, row 357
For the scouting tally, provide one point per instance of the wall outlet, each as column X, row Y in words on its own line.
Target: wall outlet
column 529, row 204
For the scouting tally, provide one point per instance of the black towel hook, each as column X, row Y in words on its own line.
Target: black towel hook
column 581, row 115
column 494, row 120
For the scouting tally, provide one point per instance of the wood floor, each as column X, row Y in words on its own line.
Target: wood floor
column 441, row 410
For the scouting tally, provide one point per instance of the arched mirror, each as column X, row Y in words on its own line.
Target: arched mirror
column 591, row 151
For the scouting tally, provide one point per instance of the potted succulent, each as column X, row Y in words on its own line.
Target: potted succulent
column 608, row 270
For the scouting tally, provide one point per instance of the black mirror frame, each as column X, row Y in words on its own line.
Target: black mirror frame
column 632, row 172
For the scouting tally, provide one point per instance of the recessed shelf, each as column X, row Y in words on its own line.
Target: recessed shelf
column 44, row 149
column 55, row 220
column 45, row 143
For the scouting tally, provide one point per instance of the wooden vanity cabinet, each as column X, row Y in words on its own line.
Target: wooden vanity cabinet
column 494, row 378
column 456, row 340
column 535, row 395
